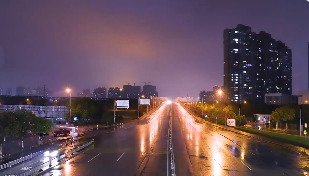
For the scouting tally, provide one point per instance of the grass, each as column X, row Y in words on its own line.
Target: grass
column 287, row 138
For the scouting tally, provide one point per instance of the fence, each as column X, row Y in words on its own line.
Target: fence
column 60, row 159
column 20, row 160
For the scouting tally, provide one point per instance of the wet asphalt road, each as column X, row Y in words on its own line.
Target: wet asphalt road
column 199, row 149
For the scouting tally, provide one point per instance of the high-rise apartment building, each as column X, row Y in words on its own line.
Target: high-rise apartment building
column 132, row 92
column 20, row 91
column 8, row 91
column 255, row 64
column 99, row 93
column 87, row 93
column 149, row 90
column 114, row 92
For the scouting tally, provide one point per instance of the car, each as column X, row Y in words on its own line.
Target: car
column 43, row 134
column 62, row 132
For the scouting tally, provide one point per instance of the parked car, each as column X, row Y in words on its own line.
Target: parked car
column 62, row 132
column 43, row 134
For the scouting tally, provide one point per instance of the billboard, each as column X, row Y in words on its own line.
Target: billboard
column 123, row 104
column 144, row 101
column 231, row 122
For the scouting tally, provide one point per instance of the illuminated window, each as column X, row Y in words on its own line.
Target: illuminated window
column 235, row 50
column 236, row 32
column 244, row 72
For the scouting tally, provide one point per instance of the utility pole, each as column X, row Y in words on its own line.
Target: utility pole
column 138, row 108
column 115, row 105
column 300, row 108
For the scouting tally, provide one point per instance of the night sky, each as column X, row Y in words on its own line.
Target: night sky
column 176, row 45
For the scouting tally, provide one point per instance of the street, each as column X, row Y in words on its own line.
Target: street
column 136, row 149
column 140, row 148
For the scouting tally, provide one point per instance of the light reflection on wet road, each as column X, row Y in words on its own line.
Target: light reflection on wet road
column 221, row 152
column 135, row 149
column 199, row 149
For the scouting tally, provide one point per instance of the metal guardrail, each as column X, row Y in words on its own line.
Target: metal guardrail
column 60, row 159
column 20, row 160
column 170, row 148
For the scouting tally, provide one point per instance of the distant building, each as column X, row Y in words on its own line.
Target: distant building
column 149, row 90
column 20, row 91
column 255, row 64
column 210, row 96
column 303, row 97
column 8, row 91
column 131, row 92
column 114, row 92
column 99, row 93
column 207, row 96
column 1, row 91
column 308, row 65
column 280, row 99
column 87, row 93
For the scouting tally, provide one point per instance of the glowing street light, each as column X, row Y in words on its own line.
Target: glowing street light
column 220, row 93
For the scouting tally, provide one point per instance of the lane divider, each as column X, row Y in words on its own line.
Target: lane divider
column 170, row 149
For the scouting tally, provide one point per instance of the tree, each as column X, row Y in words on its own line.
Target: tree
column 108, row 117
column 284, row 114
column 23, row 122
column 7, row 121
column 83, row 108
column 41, row 125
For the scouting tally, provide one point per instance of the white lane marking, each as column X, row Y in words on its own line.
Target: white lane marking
column 245, row 164
column 120, row 156
column 94, row 157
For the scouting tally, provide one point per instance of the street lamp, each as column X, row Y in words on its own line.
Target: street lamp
column 69, row 91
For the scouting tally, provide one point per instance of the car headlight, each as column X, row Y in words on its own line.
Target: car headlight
column 54, row 153
column 46, row 153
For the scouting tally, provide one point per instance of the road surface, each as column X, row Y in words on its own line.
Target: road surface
column 200, row 150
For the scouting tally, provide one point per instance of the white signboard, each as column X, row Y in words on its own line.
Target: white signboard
column 144, row 101
column 123, row 104
column 231, row 122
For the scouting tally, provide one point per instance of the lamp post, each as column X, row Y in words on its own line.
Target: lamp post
column 138, row 107
column 115, row 105
column 300, row 108
column 69, row 91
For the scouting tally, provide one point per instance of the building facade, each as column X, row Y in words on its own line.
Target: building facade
column 8, row 91
column 149, row 90
column 87, row 93
column 280, row 99
column 39, row 111
column 99, row 93
column 20, row 91
column 131, row 92
column 114, row 92
column 255, row 64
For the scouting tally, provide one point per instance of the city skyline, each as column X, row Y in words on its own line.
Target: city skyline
column 139, row 43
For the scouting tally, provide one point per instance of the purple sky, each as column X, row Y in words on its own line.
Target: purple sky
column 177, row 45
